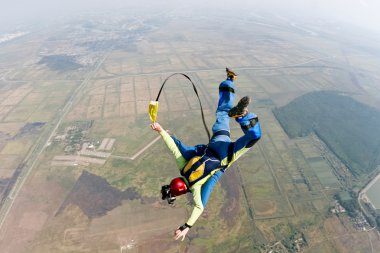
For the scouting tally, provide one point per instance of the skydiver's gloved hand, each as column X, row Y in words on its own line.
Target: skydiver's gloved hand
column 181, row 232
column 156, row 127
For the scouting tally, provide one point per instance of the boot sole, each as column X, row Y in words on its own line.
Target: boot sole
column 240, row 109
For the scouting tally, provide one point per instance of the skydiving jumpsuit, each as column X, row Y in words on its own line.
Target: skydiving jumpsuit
column 202, row 165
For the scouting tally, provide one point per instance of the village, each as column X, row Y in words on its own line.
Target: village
column 79, row 150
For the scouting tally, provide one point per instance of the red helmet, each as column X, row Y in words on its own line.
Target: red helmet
column 178, row 186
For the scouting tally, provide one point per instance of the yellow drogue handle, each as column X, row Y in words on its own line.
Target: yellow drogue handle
column 153, row 109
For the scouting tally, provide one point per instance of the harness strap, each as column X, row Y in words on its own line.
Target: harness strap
column 230, row 152
column 221, row 132
column 213, row 153
column 251, row 124
column 227, row 89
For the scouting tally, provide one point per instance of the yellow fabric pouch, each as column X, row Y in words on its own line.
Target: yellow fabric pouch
column 153, row 109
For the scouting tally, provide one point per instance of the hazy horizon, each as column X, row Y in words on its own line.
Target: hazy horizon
column 358, row 12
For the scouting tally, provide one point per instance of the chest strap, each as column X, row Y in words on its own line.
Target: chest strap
column 230, row 152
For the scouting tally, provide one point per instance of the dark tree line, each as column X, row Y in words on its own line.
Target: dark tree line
column 349, row 202
column 349, row 128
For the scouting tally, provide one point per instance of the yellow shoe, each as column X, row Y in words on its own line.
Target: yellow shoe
column 230, row 74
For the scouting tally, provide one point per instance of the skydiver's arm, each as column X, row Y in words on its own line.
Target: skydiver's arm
column 198, row 205
column 197, row 211
column 180, row 160
column 189, row 152
column 209, row 185
column 201, row 192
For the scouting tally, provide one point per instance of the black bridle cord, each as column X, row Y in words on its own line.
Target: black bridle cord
column 196, row 92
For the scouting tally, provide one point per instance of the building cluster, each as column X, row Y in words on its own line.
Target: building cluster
column 299, row 243
column 72, row 138
column 79, row 150
column 360, row 222
column 88, row 154
column 338, row 208
column 278, row 247
column 296, row 244
column 88, row 40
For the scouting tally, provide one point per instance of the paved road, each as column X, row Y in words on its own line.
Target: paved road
column 215, row 69
column 139, row 152
column 41, row 143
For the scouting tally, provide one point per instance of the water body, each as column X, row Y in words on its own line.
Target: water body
column 373, row 193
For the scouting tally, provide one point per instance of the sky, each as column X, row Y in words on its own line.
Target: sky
column 359, row 12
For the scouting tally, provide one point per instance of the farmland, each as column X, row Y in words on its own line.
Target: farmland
column 71, row 125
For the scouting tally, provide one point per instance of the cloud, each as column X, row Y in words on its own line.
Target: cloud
column 361, row 12
column 364, row 3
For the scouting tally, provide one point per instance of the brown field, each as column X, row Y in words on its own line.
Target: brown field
column 8, row 164
column 33, row 221
column 4, row 94
column 20, row 113
column 98, row 88
column 36, row 201
column 33, row 98
column 131, row 96
column 11, row 128
column 19, row 147
column 127, row 96
column 265, row 207
column 94, row 111
column 111, row 97
column 107, row 233
column 16, row 96
column 335, row 227
column 4, row 110
column 127, row 109
column 97, row 99
column 111, row 110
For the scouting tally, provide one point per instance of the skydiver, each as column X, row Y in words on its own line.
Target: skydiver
column 201, row 166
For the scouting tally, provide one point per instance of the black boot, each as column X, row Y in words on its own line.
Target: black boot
column 240, row 109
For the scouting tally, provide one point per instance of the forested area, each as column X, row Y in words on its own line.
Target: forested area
column 349, row 128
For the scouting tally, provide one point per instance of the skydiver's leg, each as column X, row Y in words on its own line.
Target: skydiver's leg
column 188, row 152
column 225, row 103
column 221, row 128
column 245, row 123
column 252, row 133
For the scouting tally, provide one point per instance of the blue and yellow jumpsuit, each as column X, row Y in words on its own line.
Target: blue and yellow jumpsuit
column 202, row 165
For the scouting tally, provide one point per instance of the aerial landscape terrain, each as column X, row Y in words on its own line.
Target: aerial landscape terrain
column 81, row 170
